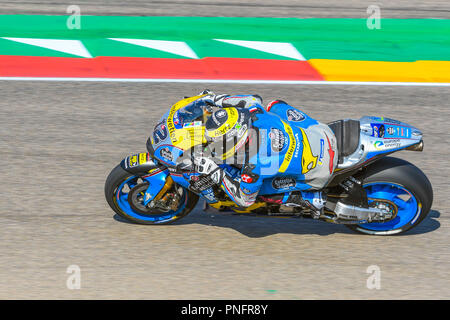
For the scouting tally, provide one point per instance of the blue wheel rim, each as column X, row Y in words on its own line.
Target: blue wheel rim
column 121, row 198
column 408, row 206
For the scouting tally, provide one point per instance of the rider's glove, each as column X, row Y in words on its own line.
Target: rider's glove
column 206, row 91
column 208, row 99
column 208, row 167
column 212, row 99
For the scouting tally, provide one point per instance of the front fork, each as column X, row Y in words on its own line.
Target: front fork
column 157, row 176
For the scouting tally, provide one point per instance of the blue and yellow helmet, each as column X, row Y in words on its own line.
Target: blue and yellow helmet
column 227, row 130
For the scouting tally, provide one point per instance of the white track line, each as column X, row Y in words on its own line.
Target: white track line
column 364, row 83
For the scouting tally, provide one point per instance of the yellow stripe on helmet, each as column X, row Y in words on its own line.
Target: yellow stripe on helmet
column 233, row 117
column 233, row 150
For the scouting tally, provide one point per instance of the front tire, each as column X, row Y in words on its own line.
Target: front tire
column 406, row 186
column 119, row 184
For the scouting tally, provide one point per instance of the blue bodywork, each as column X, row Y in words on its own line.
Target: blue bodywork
column 283, row 144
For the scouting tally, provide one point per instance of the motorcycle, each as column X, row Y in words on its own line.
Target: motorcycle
column 368, row 192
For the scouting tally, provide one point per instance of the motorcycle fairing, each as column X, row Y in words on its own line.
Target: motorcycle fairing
column 307, row 153
column 379, row 137
column 282, row 184
column 168, row 154
column 180, row 120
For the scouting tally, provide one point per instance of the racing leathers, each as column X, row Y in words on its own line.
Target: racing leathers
column 284, row 144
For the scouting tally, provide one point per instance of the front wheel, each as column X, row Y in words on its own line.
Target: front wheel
column 124, row 193
column 402, row 184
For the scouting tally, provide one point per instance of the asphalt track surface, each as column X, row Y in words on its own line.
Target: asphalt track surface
column 59, row 140
column 235, row 8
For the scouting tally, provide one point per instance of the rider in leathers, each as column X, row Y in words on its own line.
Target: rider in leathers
column 263, row 143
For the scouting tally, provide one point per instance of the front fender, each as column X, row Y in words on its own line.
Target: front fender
column 155, row 174
column 139, row 164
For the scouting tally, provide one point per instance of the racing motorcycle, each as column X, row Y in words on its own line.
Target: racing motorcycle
column 369, row 192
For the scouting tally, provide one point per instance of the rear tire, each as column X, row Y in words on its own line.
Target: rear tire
column 406, row 186
column 118, row 177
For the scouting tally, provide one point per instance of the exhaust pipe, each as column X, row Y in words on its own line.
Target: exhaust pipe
column 416, row 147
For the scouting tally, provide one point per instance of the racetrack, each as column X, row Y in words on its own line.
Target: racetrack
column 59, row 140
column 403, row 9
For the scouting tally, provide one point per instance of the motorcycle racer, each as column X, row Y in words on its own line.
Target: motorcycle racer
column 263, row 143
column 236, row 154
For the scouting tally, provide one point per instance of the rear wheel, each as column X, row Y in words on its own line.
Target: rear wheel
column 402, row 184
column 125, row 192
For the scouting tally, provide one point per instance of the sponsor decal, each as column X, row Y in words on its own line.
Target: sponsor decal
column 220, row 114
column 378, row 145
column 201, row 183
column 297, row 148
column 246, row 178
column 295, row 115
column 215, row 119
column 277, row 140
column 143, row 158
column 403, row 132
column 192, row 124
column 393, row 143
column 160, row 133
column 241, row 129
column 133, row 161
column 230, row 123
column 231, row 133
column 378, row 130
column 391, row 130
column 322, row 145
column 331, row 154
column 283, row 183
column 138, row 159
column 166, row 154
column 309, row 161
column 152, row 172
column 290, row 152
column 387, row 144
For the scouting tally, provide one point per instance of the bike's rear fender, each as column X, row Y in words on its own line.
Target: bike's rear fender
column 379, row 137
column 387, row 135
